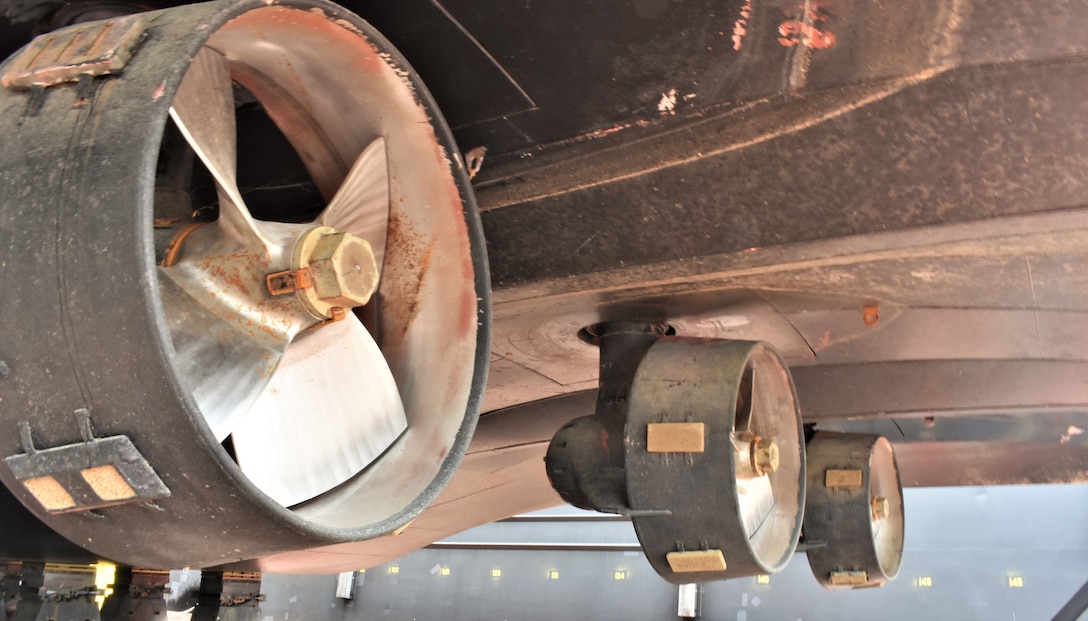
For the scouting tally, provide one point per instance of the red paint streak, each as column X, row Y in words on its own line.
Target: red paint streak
column 466, row 306
column 159, row 92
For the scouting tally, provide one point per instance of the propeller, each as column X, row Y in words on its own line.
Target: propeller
column 307, row 400
column 756, row 454
column 729, row 502
column 886, row 507
column 857, row 514
column 330, row 409
column 203, row 110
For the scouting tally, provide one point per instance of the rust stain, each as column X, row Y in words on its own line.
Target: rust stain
column 417, row 283
column 407, row 261
column 281, row 283
column 795, row 32
column 229, row 270
column 269, row 331
column 804, row 32
column 870, row 314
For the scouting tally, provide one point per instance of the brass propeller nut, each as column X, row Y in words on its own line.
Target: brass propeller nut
column 764, row 456
column 881, row 508
column 344, row 270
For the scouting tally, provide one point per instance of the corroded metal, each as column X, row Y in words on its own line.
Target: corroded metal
column 67, row 55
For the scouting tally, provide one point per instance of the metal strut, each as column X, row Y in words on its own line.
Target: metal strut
column 586, row 458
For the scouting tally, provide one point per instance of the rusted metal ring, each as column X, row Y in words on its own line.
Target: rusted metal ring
column 173, row 249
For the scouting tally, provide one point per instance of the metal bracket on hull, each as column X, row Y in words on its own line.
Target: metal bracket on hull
column 92, row 474
column 92, row 49
column 585, row 459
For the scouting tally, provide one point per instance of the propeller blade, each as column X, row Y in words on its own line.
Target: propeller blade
column 756, row 499
column 361, row 205
column 331, row 408
column 755, row 495
column 223, row 368
column 203, row 110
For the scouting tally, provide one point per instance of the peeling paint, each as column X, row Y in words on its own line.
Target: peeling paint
column 740, row 27
column 475, row 160
column 926, row 276
column 667, row 105
column 795, row 32
column 549, row 185
column 339, row 21
column 601, row 133
column 953, row 15
column 803, row 31
column 401, row 73
column 1069, row 433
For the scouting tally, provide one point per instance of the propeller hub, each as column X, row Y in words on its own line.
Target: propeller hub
column 765, row 457
column 345, row 272
column 881, row 508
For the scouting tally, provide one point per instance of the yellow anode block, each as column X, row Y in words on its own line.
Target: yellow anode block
column 676, row 437
column 108, row 483
column 849, row 578
column 848, row 479
column 50, row 493
column 696, row 561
